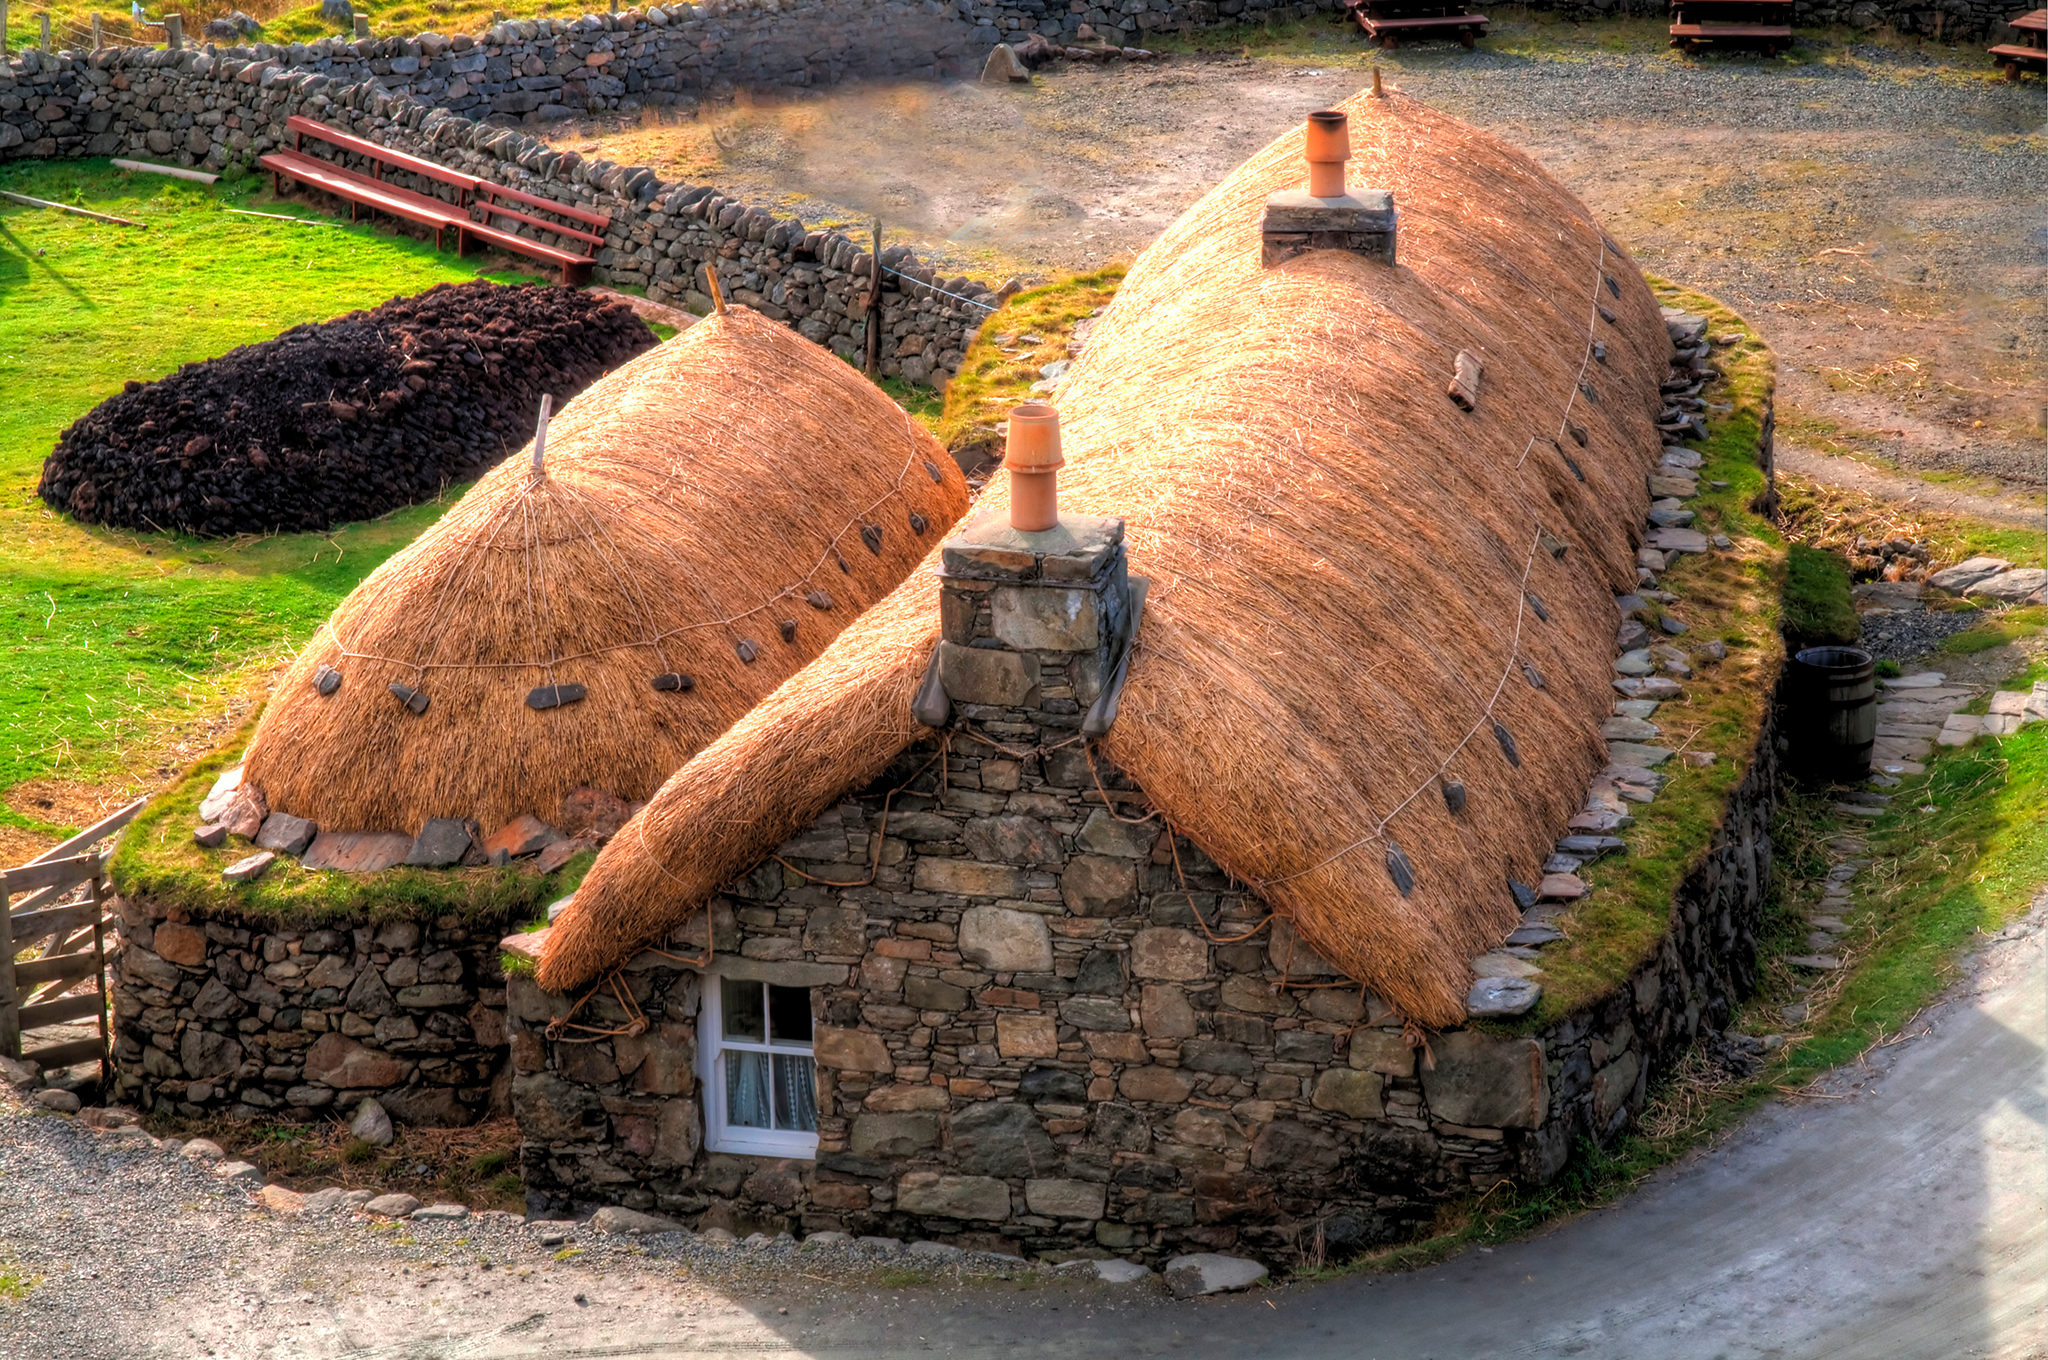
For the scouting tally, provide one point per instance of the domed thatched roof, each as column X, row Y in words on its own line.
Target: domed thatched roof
column 713, row 512
column 1359, row 590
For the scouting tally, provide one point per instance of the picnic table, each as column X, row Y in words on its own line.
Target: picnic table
column 1386, row 22
column 1764, row 24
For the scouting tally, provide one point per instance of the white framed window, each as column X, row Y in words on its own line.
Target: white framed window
column 760, row 1086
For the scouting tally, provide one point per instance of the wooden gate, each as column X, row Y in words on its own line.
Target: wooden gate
column 67, row 941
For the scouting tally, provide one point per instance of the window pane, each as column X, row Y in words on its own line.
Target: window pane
column 789, row 1014
column 796, row 1093
column 742, row 1006
column 746, row 1089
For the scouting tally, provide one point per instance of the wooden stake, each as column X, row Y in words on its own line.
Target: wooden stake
column 3, row 28
column 44, row 19
column 874, row 308
column 98, row 41
column 540, row 436
column 717, row 293
column 1377, row 92
column 174, row 31
column 66, row 207
column 362, row 26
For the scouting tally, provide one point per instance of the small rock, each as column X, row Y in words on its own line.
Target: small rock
column 1502, row 997
column 96, row 1117
column 1817, row 962
column 1591, row 847
column 1631, row 635
column 1561, row 887
column 886, row 1246
column 63, row 1102
column 1635, row 663
column 286, row 834
column 241, row 1173
column 201, row 1150
column 552, row 1234
column 1536, row 935
column 441, row 1211
column 1699, row 760
column 1003, row 67
column 630, row 1222
column 372, row 1124
column 279, row 1200
column 1963, row 575
column 1794, row 1014
column 1633, row 753
column 1119, row 1272
column 19, row 1074
column 391, row 1206
column 818, row 1241
column 1635, row 708
column 1670, row 519
column 442, row 842
column 320, row 1203
column 935, row 1251
column 1501, row 964
column 250, row 869
column 210, row 836
column 1619, row 728
column 1658, row 687
column 1716, row 650
column 1209, row 1273
column 1672, row 625
column 1723, row 542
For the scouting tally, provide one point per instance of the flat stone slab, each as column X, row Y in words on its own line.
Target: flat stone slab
column 286, row 834
column 393, row 1206
column 1670, row 484
column 250, row 869
column 1968, row 573
column 2012, row 586
column 1620, row 728
column 441, row 843
column 1632, row 753
column 1120, row 1272
column 1599, row 823
column 441, row 1211
column 1500, row 998
column 1678, row 540
column 1855, row 810
column 1209, row 1273
column 357, row 852
column 1561, row 887
column 1535, row 935
column 1503, row 965
column 1917, row 680
column 223, row 792
column 1819, row 963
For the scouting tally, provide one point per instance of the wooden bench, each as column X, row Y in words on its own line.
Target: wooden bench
column 577, row 247
column 1387, row 21
column 1764, row 24
column 2028, row 54
column 361, row 190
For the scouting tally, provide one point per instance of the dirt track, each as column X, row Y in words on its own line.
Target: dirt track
column 1873, row 211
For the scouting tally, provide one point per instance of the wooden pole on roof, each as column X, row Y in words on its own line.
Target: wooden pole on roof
column 717, row 293
column 874, row 313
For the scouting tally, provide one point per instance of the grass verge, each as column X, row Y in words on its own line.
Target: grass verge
column 1818, row 608
column 116, row 641
column 477, row 1166
column 158, row 859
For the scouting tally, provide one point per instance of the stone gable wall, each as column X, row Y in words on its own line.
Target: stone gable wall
column 260, row 1021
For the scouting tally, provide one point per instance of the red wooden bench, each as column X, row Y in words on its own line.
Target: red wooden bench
column 361, row 190
column 1386, row 22
column 575, row 250
column 1764, row 24
column 2030, row 53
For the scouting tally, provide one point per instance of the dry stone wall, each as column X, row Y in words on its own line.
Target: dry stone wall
column 216, row 110
column 258, row 1021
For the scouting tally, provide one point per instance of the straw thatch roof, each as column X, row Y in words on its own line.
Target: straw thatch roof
column 704, row 500
column 1338, row 556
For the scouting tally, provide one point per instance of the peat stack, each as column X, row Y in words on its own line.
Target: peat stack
column 339, row 420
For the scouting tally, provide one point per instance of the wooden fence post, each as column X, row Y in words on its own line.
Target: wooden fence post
column 3, row 30
column 44, row 19
column 362, row 26
column 10, row 1017
column 98, row 39
column 174, row 32
column 874, row 313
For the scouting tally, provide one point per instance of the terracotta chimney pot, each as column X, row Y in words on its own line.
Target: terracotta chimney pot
column 1329, row 146
column 1033, row 458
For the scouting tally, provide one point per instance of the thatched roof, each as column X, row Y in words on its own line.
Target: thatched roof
column 1338, row 557
column 700, row 501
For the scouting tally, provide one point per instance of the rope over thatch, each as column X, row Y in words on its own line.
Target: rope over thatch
column 710, row 516
column 1340, row 628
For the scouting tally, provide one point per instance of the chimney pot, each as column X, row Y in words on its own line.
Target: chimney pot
column 1329, row 146
column 1033, row 458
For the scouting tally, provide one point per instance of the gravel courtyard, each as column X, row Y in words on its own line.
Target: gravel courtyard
column 1873, row 210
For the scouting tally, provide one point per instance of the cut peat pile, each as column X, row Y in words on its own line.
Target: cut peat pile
column 340, row 420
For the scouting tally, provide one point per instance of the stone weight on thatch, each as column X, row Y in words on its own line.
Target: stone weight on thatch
column 583, row 628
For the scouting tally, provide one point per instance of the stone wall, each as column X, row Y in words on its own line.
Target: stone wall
column 256, row 1021
column 215, row 110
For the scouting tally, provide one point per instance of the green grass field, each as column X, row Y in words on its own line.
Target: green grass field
column 114, row 640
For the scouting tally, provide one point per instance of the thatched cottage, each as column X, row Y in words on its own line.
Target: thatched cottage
column 496, row 698
column 1115, row 885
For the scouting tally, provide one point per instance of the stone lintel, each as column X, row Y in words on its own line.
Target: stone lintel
column 1079, row 549
column 1363, row 222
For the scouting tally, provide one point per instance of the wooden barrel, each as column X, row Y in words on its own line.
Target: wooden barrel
column 1831, row 714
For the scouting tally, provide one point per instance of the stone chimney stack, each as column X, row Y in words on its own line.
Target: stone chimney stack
column 1326, row 215
column 1033, row 623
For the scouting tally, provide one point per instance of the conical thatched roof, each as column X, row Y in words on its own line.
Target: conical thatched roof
column 1339, row 558
column 736, row 489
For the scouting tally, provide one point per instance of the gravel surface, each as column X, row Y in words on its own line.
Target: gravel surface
column 1903, row 634
column 1873, row 210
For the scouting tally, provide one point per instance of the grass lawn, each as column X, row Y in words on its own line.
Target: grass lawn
column 115, row 641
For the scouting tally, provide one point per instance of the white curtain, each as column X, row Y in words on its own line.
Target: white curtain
column 746, row 1090
column 796, row 1093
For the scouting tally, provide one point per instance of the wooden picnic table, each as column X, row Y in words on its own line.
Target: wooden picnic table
column 2030, row 53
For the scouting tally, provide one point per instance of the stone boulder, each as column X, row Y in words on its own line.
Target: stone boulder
column 1209, row 1273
